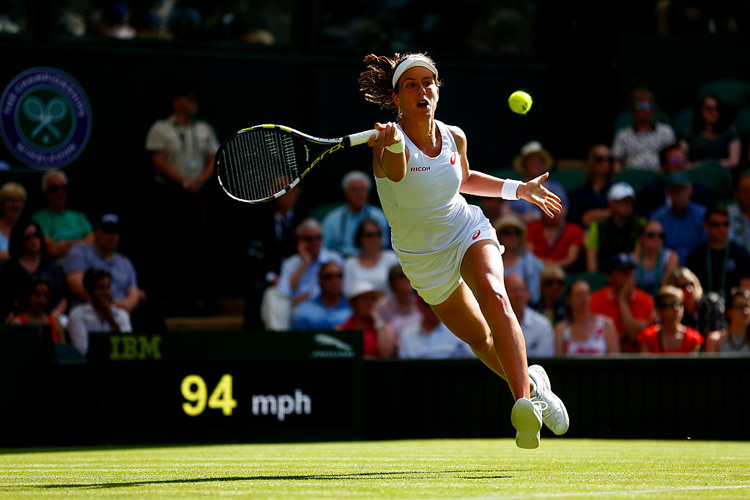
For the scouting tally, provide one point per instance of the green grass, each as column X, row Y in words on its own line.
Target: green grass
column 457, row 469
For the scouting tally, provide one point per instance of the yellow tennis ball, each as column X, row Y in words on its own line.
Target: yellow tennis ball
column 520, row 102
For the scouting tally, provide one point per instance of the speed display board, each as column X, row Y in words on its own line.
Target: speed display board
column 228, row 386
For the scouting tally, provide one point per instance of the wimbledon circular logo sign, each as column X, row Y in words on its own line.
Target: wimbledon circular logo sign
column 45, row 118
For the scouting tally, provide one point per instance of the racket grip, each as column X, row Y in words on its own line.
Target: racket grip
column 362, row 137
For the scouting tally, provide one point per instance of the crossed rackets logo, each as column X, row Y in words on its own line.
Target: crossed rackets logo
column 45, row 118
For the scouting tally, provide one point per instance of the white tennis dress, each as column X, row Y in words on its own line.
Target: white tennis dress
column 432, row 225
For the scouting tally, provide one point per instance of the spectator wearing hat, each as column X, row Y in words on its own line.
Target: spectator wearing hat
column 182, row 150
column 615, row 233
column 719, row 264
column 533, row 161
column 62, row 227
column 681, row 218
column 103, row 254
column 379, row 338
column 431, row 339
column 511, row 233
column 328, row 309
column 537, row 329
column 637, row 146
column 653, row 195
column 630, row 308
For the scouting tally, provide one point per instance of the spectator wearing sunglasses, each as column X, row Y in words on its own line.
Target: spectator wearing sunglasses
column 328, row 309
column 654, row 262
column 588, row 203
column 681, row 218
column 298, row 280
column 551, row 303
column 637, row 146
column 511, row 233
column 668, row 335
column 373, row 262
column 719, row 264
column 713, row 139
column 62, row 227
column 703, row 311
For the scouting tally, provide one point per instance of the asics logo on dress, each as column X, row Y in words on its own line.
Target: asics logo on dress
column 453, row 157
column 476, row 234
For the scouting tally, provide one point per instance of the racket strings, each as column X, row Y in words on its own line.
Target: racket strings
column 259, row 164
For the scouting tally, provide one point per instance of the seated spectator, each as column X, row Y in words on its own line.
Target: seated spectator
column 556, row 241
column 719, row 264
column 373, row 262
column 615, row 233
column 532, row 162
column 673, row 160
column 582, row 332
column 589, row 203
column 298, row 280
column 103, row 254
column 99, row 314
column 328, row 309
column 494, row 207
column 431, row 339
column 267, row 245
column 340, row 225
column 637, row 146
column 702, row 311
column 654, row 263
column 33, row 309
column 29, row 259
column 537, row 330
column 630, row 309
column 400, row 308
column 379, row 339
column 739, row 213
column 669, row 335
column 713, row 139
column 735, row 338
column 551, row 303
column 681, row 218
column 511, row 233
column 62, row 227
column 12, row 201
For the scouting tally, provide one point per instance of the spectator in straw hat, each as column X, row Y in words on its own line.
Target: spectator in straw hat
column 531, row 162
column 379, row 339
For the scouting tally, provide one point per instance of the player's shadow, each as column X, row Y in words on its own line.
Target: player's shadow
column 399, row 475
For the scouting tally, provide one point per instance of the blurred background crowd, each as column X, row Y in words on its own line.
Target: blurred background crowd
column 652, row 252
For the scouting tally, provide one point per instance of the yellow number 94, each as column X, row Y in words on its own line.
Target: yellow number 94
column 194, row 390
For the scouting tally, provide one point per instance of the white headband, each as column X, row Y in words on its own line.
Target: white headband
column 410, row 63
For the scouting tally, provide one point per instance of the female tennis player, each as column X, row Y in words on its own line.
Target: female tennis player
column 447, row 248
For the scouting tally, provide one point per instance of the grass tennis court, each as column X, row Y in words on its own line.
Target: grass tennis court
column 456, row 469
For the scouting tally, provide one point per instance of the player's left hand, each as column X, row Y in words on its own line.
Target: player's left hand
column 533, row 192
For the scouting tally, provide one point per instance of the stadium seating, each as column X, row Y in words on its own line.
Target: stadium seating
column 637, row 178
column 596, row 280
column 716, row 178
column 732, row 91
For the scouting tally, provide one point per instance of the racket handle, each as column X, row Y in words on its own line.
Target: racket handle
column 362, row 137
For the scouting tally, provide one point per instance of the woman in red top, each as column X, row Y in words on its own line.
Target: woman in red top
column 36, row 302
column 379, row 338
column 669, row 336
column 556, row 241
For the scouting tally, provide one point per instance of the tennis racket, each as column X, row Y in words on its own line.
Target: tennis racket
column 263, row 162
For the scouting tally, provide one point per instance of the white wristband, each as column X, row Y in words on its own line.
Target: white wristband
column 396, row 147
column 510, row 189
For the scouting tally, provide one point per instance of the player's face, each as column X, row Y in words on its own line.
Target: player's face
column 418, row 93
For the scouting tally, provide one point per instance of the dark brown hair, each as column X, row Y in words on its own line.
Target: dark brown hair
column 375, row 82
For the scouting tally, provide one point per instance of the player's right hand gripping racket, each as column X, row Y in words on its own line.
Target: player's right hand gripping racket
column 263, row 162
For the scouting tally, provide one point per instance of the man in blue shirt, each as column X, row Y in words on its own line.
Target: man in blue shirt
column 328, row 309
column 340, row 225
column 682, row 219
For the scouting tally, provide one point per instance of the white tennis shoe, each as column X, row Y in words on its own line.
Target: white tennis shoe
column 554, row 414
column 526, row 418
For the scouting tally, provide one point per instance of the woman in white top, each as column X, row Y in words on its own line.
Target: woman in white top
column 583, row 332
column 446, row 247
column 373, row 262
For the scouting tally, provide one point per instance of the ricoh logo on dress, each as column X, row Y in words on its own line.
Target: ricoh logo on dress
column 419, row 169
